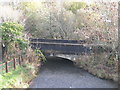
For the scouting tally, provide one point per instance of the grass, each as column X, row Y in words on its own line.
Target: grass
column 18, row 78
column 10, row 68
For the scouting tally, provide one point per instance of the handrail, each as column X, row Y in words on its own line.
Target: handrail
column 68, row 44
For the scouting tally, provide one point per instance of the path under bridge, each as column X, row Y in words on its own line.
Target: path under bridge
column 68, row 49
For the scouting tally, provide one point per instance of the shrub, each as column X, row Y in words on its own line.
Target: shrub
column 11, row 32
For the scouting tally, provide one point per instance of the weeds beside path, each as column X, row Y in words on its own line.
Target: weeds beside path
column 19, row 78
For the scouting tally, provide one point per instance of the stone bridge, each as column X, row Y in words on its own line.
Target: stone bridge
column 68, row 49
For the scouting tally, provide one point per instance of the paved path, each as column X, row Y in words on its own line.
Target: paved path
column 59, row 73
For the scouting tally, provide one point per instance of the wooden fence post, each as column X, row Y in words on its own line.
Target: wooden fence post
column 14, row 60
column 19, row 60
column 29, row 59
column 6, row 64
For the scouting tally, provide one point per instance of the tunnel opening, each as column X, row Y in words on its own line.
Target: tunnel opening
column 56, row 58
column 54, row 63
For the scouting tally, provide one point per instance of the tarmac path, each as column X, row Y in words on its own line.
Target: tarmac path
column 61, row 73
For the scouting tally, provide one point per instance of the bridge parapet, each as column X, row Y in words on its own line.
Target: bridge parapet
column 57, row 41
column 61, row 47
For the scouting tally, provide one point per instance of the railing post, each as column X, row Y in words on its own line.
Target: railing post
column 14, row 60
column 6, row 65
column 19, row 60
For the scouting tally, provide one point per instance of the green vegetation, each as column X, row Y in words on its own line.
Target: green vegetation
column 40, row 55
column 15, row 44
column 19, row 78
column 95, row 23
column 11, row 31
column 12, row 35
column 74, row 6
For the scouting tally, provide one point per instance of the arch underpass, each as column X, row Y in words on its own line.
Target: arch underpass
column 59, row 71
